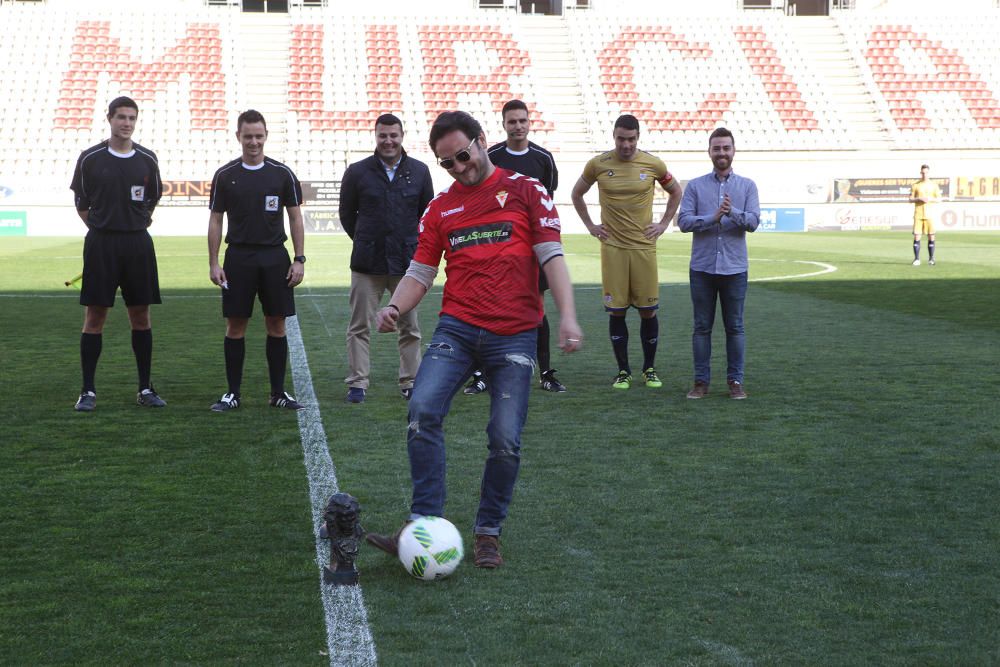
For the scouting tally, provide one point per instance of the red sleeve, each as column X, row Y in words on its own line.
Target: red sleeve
column 542, row 214
column 429, row 247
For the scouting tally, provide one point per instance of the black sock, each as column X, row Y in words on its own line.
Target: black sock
column 916, row 250
column 277, row 362
column 930, row 249
column 649, row 332
column 618, row 329
column 544, row 360
column 90, row 352
column 235, row 351
column 142, row 347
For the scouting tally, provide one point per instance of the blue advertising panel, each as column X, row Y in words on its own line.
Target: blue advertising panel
column 782, row 220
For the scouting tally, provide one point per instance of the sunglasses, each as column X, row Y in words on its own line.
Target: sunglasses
column 461, row 156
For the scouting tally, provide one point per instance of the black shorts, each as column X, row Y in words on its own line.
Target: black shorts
column 253, row 271
column 119, row 259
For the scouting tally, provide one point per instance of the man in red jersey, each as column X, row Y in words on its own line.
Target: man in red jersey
column 495, row 228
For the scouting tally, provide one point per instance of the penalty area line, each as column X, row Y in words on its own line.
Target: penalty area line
column 348, row 636
column 824, row 268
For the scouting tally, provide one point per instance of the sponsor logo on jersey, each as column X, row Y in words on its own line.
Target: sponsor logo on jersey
column 502, row 198
column 451, row 211
column 554, row 223
column 497, row 232
column 642, row 177
column 271, row 203
column 138, row 192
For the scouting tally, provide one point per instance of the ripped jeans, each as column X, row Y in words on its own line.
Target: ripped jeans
column 455, row 350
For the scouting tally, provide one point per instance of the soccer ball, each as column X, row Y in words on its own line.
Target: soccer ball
column 430, row 548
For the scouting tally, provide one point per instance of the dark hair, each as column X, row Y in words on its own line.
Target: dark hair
column 250, row 116
column 512, row 106
column 119, row 102
column 722, row 132
column 925, row 166
column 449, row 121
column 627, row 122
column 389, row 119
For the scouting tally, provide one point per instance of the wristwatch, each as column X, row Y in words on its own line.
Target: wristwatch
column 301, row 259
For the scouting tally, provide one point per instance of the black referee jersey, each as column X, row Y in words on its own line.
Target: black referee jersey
column 119, row 190
column 254, row 200
column 535, row 162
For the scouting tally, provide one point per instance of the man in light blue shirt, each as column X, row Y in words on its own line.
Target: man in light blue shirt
column 719, row 209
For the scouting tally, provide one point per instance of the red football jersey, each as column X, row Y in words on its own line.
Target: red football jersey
column 487, row 234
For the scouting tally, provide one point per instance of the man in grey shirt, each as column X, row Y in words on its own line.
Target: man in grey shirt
column 719, row 209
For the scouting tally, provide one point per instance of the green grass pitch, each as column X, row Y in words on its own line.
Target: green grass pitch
column 845, row 514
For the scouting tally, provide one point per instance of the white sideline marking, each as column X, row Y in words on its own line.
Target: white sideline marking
column 348, row 637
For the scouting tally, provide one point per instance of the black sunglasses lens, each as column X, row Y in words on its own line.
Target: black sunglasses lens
column 461, row 156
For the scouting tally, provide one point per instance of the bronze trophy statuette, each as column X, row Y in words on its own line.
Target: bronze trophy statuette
column 342, row 527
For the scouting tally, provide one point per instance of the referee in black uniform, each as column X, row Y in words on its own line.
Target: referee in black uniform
column 253, row 191
column 117, row 185
column 528, row 158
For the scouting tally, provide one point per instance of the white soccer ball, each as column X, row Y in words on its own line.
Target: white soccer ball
column 430, row 548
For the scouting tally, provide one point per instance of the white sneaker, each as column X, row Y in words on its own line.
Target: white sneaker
column 931, row 262
column 916, row 262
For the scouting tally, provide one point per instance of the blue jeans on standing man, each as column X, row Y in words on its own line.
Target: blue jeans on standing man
column 731, row 292
column 455, row 350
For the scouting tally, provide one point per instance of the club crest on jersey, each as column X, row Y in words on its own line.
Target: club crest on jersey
column 270, row 203
column 611, row 172
column 502, row 198
column 138, row 192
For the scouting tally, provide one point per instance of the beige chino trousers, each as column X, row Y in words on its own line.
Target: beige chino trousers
column 366, row 295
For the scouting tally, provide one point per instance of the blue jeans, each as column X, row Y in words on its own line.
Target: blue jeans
column 731, row 292
column 455, row 350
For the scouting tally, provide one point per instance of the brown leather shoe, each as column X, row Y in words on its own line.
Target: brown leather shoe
column 488, row 552
column 386, row 543
column 736, row 390
column 699, row 390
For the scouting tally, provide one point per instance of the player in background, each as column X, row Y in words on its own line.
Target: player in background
column 923, row 193
column 116, row 186
column 625, row 179
column 253, row 191
column 718, row 209
column 494, row 228
column 528, row 158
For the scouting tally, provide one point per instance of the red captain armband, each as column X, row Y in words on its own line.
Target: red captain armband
column 666, row 180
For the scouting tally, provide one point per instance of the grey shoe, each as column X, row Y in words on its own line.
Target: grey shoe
column 148, row 398
column 87, row 402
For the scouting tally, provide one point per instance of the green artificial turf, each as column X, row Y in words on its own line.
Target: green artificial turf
column 844, row 514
